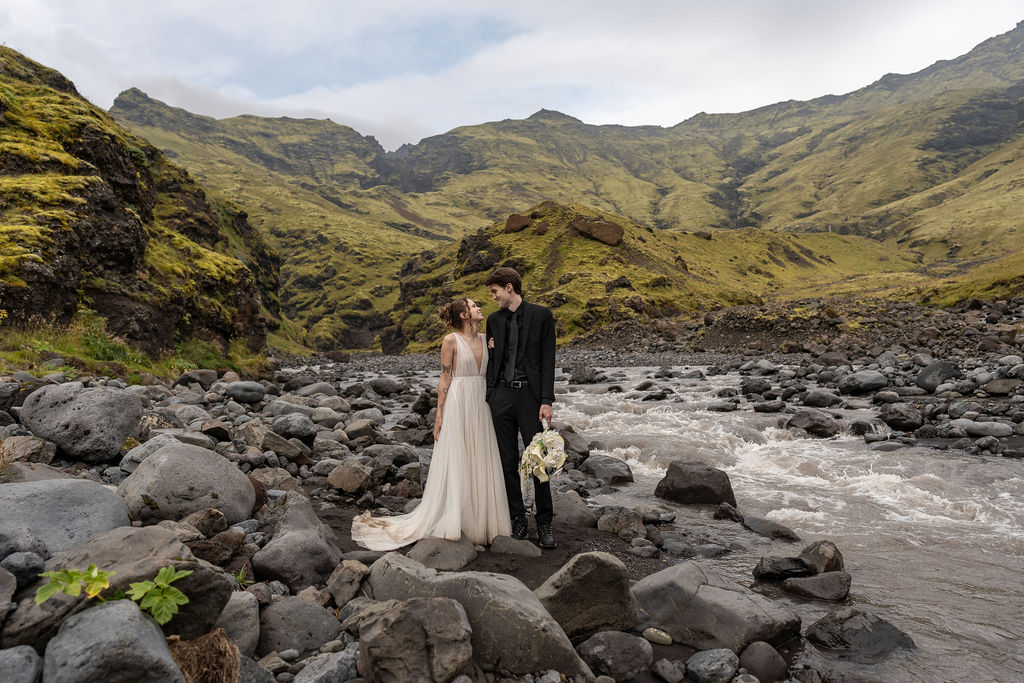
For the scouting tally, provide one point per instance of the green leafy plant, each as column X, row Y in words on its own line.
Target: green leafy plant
column 73, row 582
column 242, row 578
column 158, row 596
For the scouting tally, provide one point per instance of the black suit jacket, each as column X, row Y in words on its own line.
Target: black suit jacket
column 538, row 353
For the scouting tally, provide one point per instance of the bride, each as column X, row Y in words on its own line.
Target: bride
column 465, row 490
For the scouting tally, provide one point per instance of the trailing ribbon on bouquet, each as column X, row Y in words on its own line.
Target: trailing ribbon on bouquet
column 543, row 459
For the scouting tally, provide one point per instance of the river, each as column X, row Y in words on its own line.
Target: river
column 934, row 540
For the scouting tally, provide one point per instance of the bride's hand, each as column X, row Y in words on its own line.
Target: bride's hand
column 490, row 343
column 437, row 429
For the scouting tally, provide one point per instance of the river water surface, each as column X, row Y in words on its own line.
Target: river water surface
column 934, row 540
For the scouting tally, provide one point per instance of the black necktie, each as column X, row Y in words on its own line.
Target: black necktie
column 513, row 348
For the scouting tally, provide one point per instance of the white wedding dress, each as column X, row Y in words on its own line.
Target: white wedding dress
column 465, row 490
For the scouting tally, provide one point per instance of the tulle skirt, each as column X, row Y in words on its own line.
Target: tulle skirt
column 465, row 489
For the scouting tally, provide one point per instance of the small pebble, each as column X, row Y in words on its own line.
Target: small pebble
column 657, row 636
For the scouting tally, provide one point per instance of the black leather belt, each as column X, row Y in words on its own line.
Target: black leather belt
column 515, row 384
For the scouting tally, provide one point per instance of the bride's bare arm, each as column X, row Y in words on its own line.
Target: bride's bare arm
column 448, row 351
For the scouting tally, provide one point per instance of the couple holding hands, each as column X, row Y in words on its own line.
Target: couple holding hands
column 494, row 387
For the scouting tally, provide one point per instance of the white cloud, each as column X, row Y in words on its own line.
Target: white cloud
column 403, row 69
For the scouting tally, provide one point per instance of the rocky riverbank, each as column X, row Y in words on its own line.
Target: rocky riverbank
column 252, row 486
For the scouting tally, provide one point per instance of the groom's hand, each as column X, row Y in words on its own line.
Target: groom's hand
column 545, row 413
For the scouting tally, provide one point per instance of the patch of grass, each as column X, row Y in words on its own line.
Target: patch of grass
column 89, row 349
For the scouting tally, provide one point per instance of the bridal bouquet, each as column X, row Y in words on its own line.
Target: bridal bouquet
column 543, row 458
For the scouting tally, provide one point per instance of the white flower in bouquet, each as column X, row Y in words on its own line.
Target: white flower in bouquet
column 542, row 458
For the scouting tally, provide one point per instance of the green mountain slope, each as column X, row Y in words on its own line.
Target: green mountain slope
column 925, row 165
column 647, row 274
column 93, row 216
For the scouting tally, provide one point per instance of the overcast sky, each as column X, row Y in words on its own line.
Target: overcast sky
column 405, row 69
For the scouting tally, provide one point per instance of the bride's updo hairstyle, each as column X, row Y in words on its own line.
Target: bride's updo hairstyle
column 452, row 311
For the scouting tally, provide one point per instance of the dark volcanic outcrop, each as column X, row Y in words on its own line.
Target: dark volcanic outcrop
column 97, row 217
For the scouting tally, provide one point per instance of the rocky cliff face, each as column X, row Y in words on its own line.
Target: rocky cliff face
column 93, row 216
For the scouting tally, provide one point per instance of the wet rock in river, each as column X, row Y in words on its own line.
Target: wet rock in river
column 852, row 630
column 770, row 529
column 815, row 422
column 695, row 483
column 830, row 586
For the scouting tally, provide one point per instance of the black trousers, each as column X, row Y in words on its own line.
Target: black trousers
column 516, row 412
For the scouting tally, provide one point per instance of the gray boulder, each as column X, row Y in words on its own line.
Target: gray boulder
column 302, row 551
column 862, row 382
column 764, row 661
column 420, row 639
column 27, row 449
column 438, row 553
column 851, row 630
column 24, row 567
column 324, row 388
column 770, row 529
column 31, row 471
column 294, row 426
column 820, row 398
column 571, row 509
column 611, row 470
column 700, row 608
column 814, row 422
column 180, row 479
column 8, row 584
column 113, row 641
column 335, row 667
column 86, row 424
column 351, row 476
column 134, row 554
column 936, row 373
column 695, row 483
column 345, row 580
column 245, row 392
column 86, row 509
column 240, row 620
column 622, row 656
column 590, row 593
column 996, row 429
column 713, row 666
column 21, row 664
column 830, row 586
column 774, row 568
column 822, row 556
column 130, row 462
column 902, row 416
column 291, row 622
column 511, row 628
column 621, row 521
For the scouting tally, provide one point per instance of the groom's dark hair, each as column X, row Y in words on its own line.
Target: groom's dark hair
column 505, row 276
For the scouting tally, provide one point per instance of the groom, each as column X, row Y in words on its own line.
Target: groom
column 520, row 389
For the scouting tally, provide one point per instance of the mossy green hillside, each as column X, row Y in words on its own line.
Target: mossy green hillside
column 925, row 164
column 649, row 274
column 93, row 216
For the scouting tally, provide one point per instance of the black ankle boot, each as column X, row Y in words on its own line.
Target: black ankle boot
column 519, row 528
column 545, row 539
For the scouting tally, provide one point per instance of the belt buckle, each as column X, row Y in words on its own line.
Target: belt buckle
column 517, row 384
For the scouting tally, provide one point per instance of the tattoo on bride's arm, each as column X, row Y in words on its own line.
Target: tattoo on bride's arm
column 446, row 369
